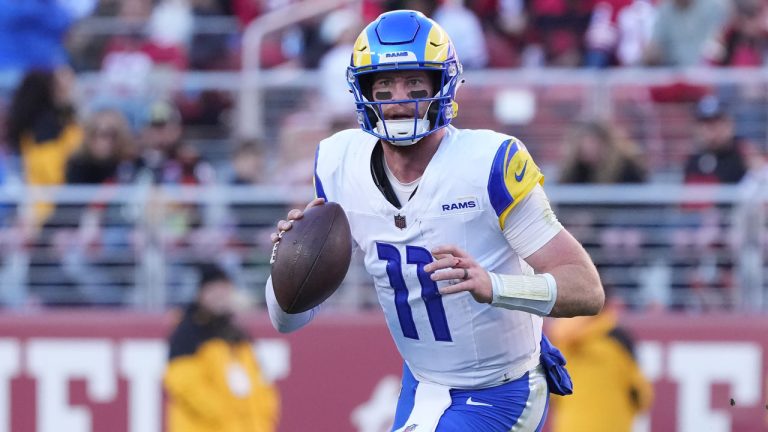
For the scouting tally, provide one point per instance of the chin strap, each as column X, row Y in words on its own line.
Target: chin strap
column 397, row 129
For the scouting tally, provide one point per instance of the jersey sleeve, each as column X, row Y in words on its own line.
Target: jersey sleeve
column 531, row 224
column 513, row 175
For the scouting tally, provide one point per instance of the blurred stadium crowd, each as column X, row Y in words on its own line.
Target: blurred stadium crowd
column 92, row 93
column 488, row 33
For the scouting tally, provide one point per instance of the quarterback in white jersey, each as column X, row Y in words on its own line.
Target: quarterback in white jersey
column 456, row 231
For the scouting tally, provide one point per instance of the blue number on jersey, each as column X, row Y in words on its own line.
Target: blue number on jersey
column 429, row 293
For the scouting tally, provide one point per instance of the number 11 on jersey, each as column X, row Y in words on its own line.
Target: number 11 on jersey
column 432, row 299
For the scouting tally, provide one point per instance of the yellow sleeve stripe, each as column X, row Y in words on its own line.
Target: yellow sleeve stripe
column 519, row 176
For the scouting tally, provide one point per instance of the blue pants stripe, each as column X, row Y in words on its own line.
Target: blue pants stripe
column 407, row 398
column 495, row 409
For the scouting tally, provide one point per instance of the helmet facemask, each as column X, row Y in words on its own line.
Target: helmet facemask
column 440, row 110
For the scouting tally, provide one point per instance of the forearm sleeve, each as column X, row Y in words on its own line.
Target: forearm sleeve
column 534, row 294
column 282, row 321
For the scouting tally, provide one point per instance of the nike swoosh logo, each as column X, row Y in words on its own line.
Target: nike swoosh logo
column 471, row 402
column 519, row 177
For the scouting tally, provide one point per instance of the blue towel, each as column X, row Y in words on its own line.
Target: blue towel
column 552, row 360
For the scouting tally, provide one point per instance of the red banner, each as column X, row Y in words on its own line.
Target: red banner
column 101, row 372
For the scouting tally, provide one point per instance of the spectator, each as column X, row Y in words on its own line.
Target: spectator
column 165, row 158
column 611, row 388
column 602, row 35
column 213, row 380
column 636, row 23
column 744, row 42
column 88, row 50
column 247, row 10
column 685, row 31
column 43, row 130
column 723, row 157
column 248, row 224
column 339, row 30
column 597, row 152
column 141, row 65
column 211, row 51
column 619, row 32
column 278, row 48
column 467, row 32
column 161, row 33
column 125, row 75
column 248, row 164
column 102, row 234
column 108, row 143
column 33, row 35
column 558, row 28
column 427, row 7
column 179, row 227
column 505, row 24
column 170, row 31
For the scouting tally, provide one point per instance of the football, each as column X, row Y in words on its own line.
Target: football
column 312, row 258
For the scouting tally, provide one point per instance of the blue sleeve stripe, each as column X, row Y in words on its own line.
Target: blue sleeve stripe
column 319, row 192
column 497, row 188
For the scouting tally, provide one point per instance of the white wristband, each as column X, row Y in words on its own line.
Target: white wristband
column 535, row 294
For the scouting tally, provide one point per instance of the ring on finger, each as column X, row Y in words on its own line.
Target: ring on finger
column 466, row 275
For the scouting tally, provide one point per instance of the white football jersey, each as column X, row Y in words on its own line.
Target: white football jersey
column 469, row 187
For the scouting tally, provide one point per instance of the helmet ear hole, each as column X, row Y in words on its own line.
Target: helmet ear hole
column 435, row 77
column 434, row 109
column 366, row 86
column 371, row 114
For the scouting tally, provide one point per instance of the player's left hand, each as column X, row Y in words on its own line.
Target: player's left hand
column 454, row 263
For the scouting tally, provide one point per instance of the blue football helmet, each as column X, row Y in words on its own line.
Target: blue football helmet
column 404, row 40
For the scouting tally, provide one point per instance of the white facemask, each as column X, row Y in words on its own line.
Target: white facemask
column 403, row 128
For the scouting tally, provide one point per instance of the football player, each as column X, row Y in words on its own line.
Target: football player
column 456, row 231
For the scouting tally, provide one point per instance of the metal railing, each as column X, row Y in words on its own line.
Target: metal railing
column 693, row 248
column 252, row 123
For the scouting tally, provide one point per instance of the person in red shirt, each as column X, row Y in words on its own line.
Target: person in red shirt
column 744, row 41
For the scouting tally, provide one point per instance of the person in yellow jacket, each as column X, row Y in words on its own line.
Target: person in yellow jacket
column 609, row 389
column 213, row 381
column 43, row 130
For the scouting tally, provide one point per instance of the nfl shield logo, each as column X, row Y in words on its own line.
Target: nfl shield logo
column 400, row 221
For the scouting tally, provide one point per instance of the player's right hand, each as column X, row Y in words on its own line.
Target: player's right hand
column 286, row 224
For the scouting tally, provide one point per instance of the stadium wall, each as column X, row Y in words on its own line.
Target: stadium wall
column 84, row 371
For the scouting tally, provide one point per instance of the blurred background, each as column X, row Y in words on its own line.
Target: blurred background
column 142, row 137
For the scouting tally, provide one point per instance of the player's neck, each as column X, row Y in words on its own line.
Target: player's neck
column 408, row 163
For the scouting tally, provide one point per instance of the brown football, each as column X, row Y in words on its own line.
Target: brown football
column 312, row 258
